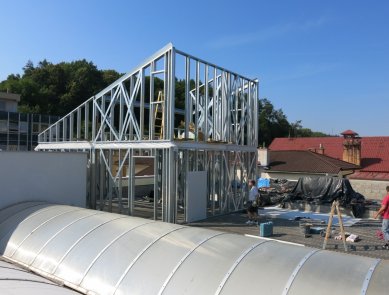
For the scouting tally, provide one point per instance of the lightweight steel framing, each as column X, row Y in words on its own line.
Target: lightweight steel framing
column 209, row 124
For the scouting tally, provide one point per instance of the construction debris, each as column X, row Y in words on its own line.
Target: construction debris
column 312, row 190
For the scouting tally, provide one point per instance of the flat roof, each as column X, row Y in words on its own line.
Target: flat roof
column 10, row 96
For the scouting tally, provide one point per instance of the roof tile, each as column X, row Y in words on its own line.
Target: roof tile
column 374, row 149
column 306, row 161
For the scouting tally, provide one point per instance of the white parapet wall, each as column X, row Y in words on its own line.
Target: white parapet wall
column 43, row 176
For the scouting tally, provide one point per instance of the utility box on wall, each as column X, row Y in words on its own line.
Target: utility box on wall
column 51, row 176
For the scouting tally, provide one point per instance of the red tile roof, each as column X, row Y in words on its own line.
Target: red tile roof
column 374, row 151
column 306, row 161
column 333, row 146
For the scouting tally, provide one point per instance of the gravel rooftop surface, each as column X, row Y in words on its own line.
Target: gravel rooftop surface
column 289, row 230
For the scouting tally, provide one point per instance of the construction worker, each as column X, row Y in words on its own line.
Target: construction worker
column 384, row 211
column 252, row 206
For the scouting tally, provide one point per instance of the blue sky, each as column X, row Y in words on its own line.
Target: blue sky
column 323, row 62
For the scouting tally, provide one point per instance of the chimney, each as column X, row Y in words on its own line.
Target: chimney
column 263, row 157
column 320, row 150
column 351, row 147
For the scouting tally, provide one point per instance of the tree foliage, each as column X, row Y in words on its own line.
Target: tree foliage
column 56, row 89
column 273, row 123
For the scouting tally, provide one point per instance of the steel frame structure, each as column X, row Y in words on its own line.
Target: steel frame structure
column 210, row 124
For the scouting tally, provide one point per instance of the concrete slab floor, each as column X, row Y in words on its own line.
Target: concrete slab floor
column 288, row 230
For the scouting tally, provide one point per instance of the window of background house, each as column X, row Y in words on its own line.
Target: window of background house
column 23, row 127
column 3, row 126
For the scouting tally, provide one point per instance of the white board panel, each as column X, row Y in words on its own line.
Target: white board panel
column 196, row 185
column 43, row 176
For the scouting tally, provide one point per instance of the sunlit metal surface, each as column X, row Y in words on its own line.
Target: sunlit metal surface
column 18, row 281
column 105, row 253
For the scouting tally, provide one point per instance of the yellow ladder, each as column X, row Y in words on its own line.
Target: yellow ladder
column 159, row 115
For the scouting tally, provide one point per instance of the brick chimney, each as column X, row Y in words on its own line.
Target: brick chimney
column 351, row 147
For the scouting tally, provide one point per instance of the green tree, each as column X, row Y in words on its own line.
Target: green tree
column 110, row 76
column 56, row 89
column 297, row 130
column 272, row 123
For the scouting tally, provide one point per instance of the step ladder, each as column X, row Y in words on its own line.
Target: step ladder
column 335, row 205
column 159, row 115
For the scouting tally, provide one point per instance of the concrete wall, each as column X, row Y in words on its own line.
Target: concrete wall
column 37, row 176
column 371, row 189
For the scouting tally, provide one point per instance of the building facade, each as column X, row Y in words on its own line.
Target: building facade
column 18, row 131
column 9, row 101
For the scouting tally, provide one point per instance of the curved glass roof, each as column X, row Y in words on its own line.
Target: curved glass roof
column 106, row 253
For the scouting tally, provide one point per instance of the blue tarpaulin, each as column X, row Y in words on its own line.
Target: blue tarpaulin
column 263, row 182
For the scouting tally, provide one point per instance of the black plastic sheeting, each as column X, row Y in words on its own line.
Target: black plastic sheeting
column 324, row 190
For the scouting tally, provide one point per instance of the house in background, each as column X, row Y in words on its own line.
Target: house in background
column 19, row 131
column 292, row 165
column 371, row 154
column 9, row 102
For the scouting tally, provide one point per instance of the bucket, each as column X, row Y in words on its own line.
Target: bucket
column 266, row 229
